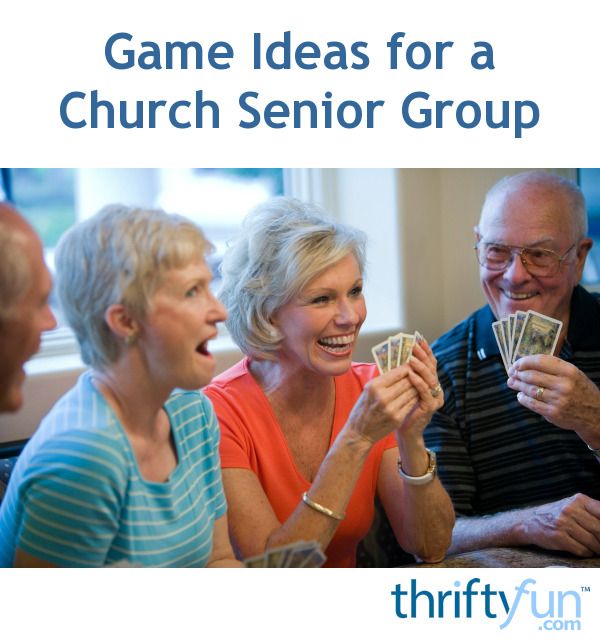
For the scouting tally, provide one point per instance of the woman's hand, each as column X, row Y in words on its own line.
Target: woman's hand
column 422, row 375
column 384, row 405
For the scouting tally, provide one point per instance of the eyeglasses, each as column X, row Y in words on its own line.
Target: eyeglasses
column 538, row 262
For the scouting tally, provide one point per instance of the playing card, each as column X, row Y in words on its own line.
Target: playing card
column 499, row 335
column 408, row 341
column 394, row 351
column 257, row 561
column 276, row 557
column 314, row 560
column 299, row 554
column 381, row 353
column 507, row 340
column 516, row 334
column 395, row 347
column 304, row 553
column 539, row 335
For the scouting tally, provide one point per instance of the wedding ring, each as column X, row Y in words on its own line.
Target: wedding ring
column 539, row 393
column 436, row 391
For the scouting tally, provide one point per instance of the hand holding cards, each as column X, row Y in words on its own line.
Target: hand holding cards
column 525, row 334
column 394, row 351
column 301, row 554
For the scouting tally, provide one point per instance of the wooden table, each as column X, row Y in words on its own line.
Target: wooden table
column 525, row 557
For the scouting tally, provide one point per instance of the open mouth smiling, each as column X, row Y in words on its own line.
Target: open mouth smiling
column 518, row 295
column 337, row 344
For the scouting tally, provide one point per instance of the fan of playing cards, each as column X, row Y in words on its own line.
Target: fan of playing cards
column 301, row 554
column 524, row 334
column 394, row 351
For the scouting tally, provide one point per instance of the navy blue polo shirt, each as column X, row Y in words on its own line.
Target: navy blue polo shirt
column 493, row 453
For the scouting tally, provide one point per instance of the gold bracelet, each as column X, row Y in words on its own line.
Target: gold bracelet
column 322, row 509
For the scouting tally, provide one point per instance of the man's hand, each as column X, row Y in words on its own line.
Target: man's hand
column 560, row 392
column 571, row 525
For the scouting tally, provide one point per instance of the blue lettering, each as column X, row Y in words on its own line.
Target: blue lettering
column 110, row 111
column 425, row 121
column 301, row 54
column 460, row 117
column 150, row 59
column 521, row 124
column 243, row 102
column 108, row 51
column 418, row 53
column 349, row 113
column 64, row 103
column 173, row 114
column 355, row 48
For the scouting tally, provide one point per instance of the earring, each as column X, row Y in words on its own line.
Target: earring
column 130, row 339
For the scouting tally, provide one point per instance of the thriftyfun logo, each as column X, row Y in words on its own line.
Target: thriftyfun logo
column 551, row 609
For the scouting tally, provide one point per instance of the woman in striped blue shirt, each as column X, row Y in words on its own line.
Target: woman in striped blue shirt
column 124, row 469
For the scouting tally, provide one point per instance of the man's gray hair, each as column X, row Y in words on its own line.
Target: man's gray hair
column 283, row 245
column 15, row 269
column 119, row 256
column 573, row 197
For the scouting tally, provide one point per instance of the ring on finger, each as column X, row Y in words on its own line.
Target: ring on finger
column 539, row 393
column 436, row 391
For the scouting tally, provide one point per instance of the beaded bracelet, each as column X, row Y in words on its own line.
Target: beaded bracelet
column 322, row 509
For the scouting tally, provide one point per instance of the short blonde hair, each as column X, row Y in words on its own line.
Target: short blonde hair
column 283, row 245
column 119, row 256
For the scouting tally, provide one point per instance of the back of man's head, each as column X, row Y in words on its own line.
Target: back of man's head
column 25, row 285
column 15, row 267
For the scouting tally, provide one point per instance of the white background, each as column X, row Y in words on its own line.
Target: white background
column 544, row 51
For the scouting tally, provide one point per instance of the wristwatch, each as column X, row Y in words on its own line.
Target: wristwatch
column 425, row 478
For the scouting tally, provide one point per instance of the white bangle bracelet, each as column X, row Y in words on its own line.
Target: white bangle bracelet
column 322, row 509
column 423, row 479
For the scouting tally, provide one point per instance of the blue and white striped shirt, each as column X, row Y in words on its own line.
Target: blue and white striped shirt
column 77, row 498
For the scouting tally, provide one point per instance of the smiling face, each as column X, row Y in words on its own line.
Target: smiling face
column 320, row 325
column 20, row 335
column 182, row 318
column 532, row 216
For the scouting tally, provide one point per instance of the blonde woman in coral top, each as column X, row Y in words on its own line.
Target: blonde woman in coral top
column 309, row 438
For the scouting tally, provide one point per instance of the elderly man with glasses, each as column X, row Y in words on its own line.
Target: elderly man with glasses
column 520, row 455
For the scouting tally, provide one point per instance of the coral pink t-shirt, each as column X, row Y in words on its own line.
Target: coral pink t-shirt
column 252, row 439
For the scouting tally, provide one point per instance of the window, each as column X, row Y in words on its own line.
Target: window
column 589, row 181
column 54, row 199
